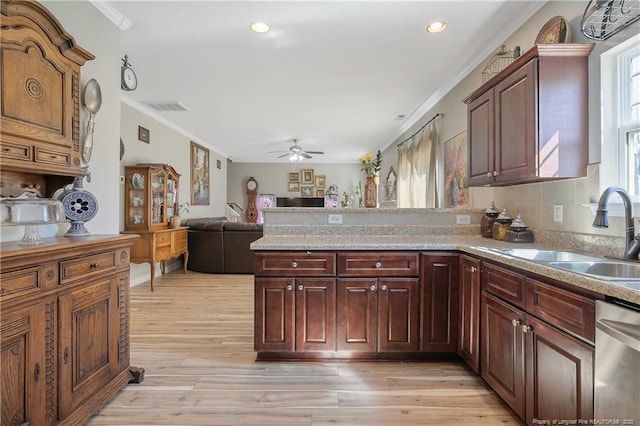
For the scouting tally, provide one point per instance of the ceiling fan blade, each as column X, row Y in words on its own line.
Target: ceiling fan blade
column 304, row 154
column 283, row 155
column 276, row 152
column 314, row 152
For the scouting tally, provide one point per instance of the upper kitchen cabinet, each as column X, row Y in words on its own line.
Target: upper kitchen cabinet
column 529, row 122
column 40, row 80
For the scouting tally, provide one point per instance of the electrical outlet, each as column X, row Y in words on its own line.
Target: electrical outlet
column 557, row 213
column 335, row 219
column 463, row 219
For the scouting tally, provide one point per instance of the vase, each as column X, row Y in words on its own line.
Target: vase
column 371, row 192
column 174, row 222
column 79, row 205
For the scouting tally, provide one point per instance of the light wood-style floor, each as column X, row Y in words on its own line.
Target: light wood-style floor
column 194, row 337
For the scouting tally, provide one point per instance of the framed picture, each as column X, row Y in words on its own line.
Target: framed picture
column 199, row 175
column 306, row 191
column 294, row 187
column 306, row 176
column 294, row 177
column 456, row 188
column 320, row 179
column 144, row 135
column 319, row 192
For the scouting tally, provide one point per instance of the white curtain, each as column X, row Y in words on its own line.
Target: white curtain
column 417, row 182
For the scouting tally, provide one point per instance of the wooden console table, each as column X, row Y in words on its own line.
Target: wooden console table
column 160, row 245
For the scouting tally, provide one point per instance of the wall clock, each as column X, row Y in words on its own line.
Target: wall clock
column 251, row 212
column 128, row 78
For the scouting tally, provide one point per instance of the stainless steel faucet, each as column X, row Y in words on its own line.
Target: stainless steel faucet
column 632, row 244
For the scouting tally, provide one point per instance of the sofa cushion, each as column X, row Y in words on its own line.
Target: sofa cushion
column 242, row 227
column 205, row 223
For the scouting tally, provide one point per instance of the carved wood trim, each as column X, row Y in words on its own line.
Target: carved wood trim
column 123, row 311
column 50, row 354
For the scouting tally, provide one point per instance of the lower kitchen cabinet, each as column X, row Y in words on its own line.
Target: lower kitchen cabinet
column 469, row 309
column 378, row 314
column 294, row 314
column 541, row 372
column 439, row 325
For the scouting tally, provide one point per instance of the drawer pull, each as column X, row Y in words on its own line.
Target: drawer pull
column 289, row 287
column 36, row 372
column 66, row 355
column 496, row 173
column 378, row 265
column 474, row 269
column 515, row 322
column 93, row 265
column 525, row 328
column 489, row 174
column 300, row 287
column 384, row 287
column 373, row 287
column 294, row 265
column 1, row 290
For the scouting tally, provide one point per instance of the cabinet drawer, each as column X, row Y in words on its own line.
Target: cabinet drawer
column 12, row 150
column 163, row 239
column 569, row 311
column 85, row 266
column 504, row 284
column 20, row 282
column 374, row 264
column 52, row 157
column 295, row 264
column 180, row 241
column 163, row 253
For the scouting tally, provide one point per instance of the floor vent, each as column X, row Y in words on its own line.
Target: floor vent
column 167, row 106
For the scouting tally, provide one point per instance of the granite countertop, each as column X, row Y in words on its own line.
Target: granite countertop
column 475, row 245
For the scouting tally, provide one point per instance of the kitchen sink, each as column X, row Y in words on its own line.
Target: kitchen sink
column 546, row 255
column 602, row 269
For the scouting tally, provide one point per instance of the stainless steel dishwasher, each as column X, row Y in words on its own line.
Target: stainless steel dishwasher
column 617, row 366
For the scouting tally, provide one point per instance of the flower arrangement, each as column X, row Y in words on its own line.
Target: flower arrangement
column 371, row 166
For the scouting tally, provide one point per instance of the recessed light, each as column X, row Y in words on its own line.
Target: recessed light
column 259, row 27
column 436, row 27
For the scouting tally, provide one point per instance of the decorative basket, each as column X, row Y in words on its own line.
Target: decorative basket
column 497, row 63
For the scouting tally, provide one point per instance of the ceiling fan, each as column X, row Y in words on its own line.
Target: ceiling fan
column 295, row 152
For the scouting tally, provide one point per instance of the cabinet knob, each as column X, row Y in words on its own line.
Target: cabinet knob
column 489, row 174
column 373, row 287
column 300, row 287
column 525, row 328
column 378, row 265
column 515, row 322
column 496, row 173
column 474, row 269
column 294, row 264
column 384, row 287
column 289, row 287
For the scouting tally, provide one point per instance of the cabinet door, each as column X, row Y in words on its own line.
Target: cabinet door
column 515, row 134
column 439, row 328
column 315, row 314
column 274, row 314
column 559, row 374
column 26, row 362
column 480, row 139
column 357, row 301
column 398, row 314
column 469, row 341
column 503, row 365
column 88, row 355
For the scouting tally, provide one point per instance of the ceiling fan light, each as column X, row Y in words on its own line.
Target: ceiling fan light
column 259, row 27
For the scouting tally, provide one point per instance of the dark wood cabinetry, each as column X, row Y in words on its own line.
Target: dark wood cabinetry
column 541, row 371
column 440, row 303
column 529, row 122
column 469, row 318
column 65, row 346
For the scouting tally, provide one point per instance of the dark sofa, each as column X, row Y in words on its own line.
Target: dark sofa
column 217, row 246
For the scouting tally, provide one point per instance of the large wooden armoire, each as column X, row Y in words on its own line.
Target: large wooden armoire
column 64, row 305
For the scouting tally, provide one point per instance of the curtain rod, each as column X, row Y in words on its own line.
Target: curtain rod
column 421, row 128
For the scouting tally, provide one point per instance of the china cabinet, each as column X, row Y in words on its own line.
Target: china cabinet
column 151, row 199
column 151, row 196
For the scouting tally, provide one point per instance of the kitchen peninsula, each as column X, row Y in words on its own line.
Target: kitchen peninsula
column 412, row 284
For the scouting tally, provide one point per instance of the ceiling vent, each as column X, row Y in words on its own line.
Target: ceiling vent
column 166, row 106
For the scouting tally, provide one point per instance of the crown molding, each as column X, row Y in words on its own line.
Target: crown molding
column 113, row 14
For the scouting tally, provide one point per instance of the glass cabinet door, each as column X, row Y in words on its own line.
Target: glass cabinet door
column 136, row 199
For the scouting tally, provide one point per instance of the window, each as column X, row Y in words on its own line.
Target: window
column 620, row 152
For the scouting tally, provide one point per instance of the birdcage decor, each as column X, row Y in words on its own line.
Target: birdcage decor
column 498, row 62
